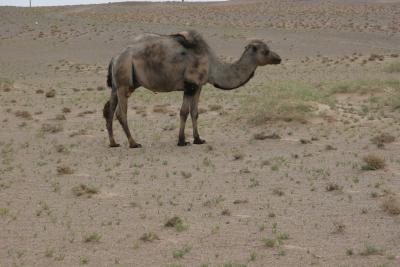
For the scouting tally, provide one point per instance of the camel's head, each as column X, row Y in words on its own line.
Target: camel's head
column 262, row 54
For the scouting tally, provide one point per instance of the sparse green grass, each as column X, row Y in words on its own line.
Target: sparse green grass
column 4, row 212
column 363, row 86
column 6, row 84
column 232, row 265
column 283, row 236
column 349, row 252
column 213, row 202
column 253, row 256
column 92, row 238
column 393, row 68
column 177, row 223
column 180, row 253
column 83, row 260
column 371, row 250
column 283, row 101
column 297, row 101
column 269, row 243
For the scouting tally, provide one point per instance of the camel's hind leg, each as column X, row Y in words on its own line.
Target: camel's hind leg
column 194, row 114
column 122, row 114
column 184, row 114
column 108, row 112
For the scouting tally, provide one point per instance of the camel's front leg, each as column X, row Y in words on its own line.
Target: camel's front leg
column 184, row 114
column 194, row 113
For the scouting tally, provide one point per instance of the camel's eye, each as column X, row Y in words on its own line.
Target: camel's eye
column 266, row 52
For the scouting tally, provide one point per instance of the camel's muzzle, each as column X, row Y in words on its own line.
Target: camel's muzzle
column 276, row 59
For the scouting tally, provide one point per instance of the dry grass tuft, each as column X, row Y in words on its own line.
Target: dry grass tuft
column 160, row 109
column 23, row 114
column 382, row 139
column 392, row 205
column 66, row 110
column 263, row 136
column 173, row 222
column 149, row 237
column 372, row 163
column 62, row 170
column 51, row 93
column 332, row 187
column 214, row 107
column 51, row 128
column 83, row 189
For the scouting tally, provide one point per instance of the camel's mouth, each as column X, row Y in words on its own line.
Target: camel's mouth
column 274, row 58
column 276, row 61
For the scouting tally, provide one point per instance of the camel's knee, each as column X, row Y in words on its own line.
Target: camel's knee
column 120, row 114
column 184, row 113
column 194, row 114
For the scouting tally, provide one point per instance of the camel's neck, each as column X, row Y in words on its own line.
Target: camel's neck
column 230, row 76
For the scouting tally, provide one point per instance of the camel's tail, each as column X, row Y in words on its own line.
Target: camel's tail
column 106, row 109
column 109, row 75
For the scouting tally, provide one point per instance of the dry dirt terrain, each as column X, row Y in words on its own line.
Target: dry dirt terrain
column 301, row 166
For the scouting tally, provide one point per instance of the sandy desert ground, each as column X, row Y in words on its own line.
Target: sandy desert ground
column 301, row 166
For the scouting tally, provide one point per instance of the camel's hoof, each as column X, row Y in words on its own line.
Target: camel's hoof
column 199, row 141
column 115, row 145
column 135, row 146
column 183, row 143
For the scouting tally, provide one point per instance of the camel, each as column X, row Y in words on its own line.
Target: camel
column 176, row 62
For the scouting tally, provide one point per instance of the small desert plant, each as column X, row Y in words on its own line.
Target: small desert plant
column 392, row 205
column 371, row 250
column 4, row 212
column 149, row 237
column 6, row 85
column 177, row 223
column 83, row 189
column 83, row 260
column 92, row 237
column 23, row 114
column 61, row 170
column 51, row 93
column 349, row 252
column 178, row 254
column 332, row 187
column 268, row 242
column 253, row 256
column 382, row 139
column 372, row 163
column 51, row 128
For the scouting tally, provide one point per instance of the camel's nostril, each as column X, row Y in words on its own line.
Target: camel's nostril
column 276, row 60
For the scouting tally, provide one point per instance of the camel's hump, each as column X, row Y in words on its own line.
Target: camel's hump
column 191, row 40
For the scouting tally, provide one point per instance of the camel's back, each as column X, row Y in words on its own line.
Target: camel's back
column 165, row 62
column 159, row 62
